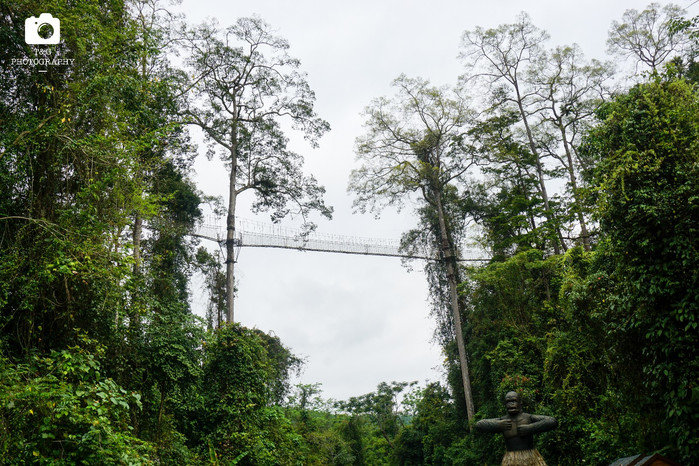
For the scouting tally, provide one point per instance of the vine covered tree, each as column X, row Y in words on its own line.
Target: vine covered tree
column 245, row 87
column 646, row 179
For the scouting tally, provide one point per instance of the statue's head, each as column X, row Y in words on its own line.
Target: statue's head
column 513, row 403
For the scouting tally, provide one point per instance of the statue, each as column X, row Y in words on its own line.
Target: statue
column 519, row 429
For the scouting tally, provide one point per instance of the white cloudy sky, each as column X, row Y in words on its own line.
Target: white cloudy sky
column 361, row 320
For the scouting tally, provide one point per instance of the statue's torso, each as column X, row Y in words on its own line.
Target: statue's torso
column 515, row 441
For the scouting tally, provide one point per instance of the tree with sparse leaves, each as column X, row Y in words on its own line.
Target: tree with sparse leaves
column 500, row 57
column 245, row 87
column 648, row 36
column 416, row 145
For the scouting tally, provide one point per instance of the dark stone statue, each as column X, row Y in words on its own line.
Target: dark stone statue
column 518, row 428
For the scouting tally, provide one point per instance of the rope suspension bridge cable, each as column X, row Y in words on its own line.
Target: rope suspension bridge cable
column 256, row 234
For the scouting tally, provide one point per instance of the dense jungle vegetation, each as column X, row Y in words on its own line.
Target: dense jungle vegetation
column 589, row 306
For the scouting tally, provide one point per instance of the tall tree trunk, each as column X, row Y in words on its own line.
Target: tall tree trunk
column 539, row 169
column 138, row 218
column 160, row 413
column 137, row 229
column 576, row 196
column 135, row 320
column 450, row 263
column 230, row 230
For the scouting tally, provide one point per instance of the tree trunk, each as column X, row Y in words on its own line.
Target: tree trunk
column 230, row 260
column 450, row 263
column 230, row 230
column 134, row 317
column 137, row 228
column 574, row 185
column 160, row 413
column 539, row 168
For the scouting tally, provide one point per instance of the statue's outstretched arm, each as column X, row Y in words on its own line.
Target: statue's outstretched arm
column 491, row 425
column 538, row 424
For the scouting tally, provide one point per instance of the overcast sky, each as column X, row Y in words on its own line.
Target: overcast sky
column 361, row 320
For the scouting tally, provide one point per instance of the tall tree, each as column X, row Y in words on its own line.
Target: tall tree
column 66, row 156
column 648, row 36
column 554, row 93
column 501, row 56
column 245, row 86
column 152, row 25
column 569, row 90
column 415, row 144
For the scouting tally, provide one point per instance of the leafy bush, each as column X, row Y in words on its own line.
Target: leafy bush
column 58, row 409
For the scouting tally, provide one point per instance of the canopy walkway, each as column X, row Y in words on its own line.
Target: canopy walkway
column 256, row 234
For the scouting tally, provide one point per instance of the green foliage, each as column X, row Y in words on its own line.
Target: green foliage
column 647, row 197
column 382, row 408
column 432, row 430
column 59, row 409
column 237, row 389
column 507, row 204
column 328, row 437
column 605, row 340
column 282, row 365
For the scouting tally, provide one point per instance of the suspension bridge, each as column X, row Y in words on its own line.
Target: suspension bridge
column 256, row 234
